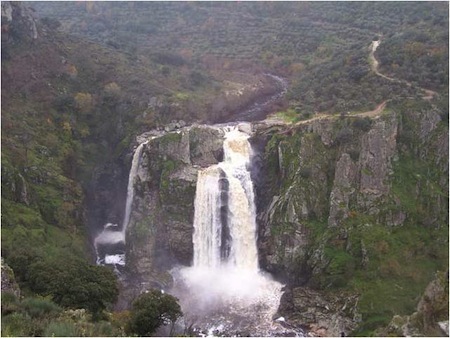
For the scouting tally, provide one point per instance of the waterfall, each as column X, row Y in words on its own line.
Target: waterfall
column 225, row 213
column 207, row 218
column 224, row 291
column 130, row 189
column 110, row 243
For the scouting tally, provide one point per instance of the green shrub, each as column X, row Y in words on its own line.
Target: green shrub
column 102, row 329
column 343, row 136
column 40, row 307
column 305, row 172
column 61, row 329
column 354, row 154
column 151, row 310
column 74, row 284
column 10, row 303
column 362, row 123
column 16, row 325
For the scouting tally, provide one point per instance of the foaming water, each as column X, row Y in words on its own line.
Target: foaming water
column 224, row 293
column 228, row 301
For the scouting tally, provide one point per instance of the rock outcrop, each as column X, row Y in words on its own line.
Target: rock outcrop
column 18, row 22
column 321, row 314
column 328, row 193
column 431, row 316
column 159, row 234
column 336, row 189
column 331, row 171
column 9, row 283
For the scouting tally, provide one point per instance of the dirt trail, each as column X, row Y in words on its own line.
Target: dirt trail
column 429, row 94
column 374, row 66
column 321, row 116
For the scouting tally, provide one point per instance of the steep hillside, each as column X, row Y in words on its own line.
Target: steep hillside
column 69, row 110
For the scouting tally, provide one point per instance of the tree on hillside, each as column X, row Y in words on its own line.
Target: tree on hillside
column 151, row 310
column 74, row 284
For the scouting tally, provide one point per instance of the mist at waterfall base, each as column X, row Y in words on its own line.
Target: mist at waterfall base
column 224, row 292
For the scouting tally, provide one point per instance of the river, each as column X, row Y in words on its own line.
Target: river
column 261, row 107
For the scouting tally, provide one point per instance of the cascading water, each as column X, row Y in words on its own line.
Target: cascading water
column 110, row 243
column 130, row 189
column 224, row 219
column 224, row 293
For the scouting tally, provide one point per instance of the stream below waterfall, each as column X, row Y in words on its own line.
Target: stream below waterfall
column 260, row 108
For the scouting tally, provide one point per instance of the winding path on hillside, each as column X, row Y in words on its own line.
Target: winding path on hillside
column 321, row 116
column 372, row 113
column 374, row 64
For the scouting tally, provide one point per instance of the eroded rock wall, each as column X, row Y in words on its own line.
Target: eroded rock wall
column 346, row 195
column 159, row 234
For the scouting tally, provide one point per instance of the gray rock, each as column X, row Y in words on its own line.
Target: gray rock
column 343, row 187
column 7, row 11
column 378, row 147
column 9, row 283
column 206, row 145
column 431, row 316
column 444, row 327
column 323, row 315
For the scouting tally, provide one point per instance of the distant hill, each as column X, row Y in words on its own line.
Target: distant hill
column 322, row 47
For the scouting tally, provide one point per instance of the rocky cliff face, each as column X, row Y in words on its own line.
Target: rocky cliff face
column 327, row 175
column 342, row 203
column 18, row 22
column 161, row 225
column 347, row 195
column 9, row 283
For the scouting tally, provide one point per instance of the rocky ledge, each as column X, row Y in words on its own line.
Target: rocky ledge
column 320, row 314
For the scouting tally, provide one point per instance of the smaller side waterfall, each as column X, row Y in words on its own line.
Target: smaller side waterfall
column 110, row 243
column 208, row 214
column 130, row 190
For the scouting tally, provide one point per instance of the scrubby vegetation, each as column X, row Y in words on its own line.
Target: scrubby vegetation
column 41, row 317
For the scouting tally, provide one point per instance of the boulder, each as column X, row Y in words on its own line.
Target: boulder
column 9, row 283
column 321, row 314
